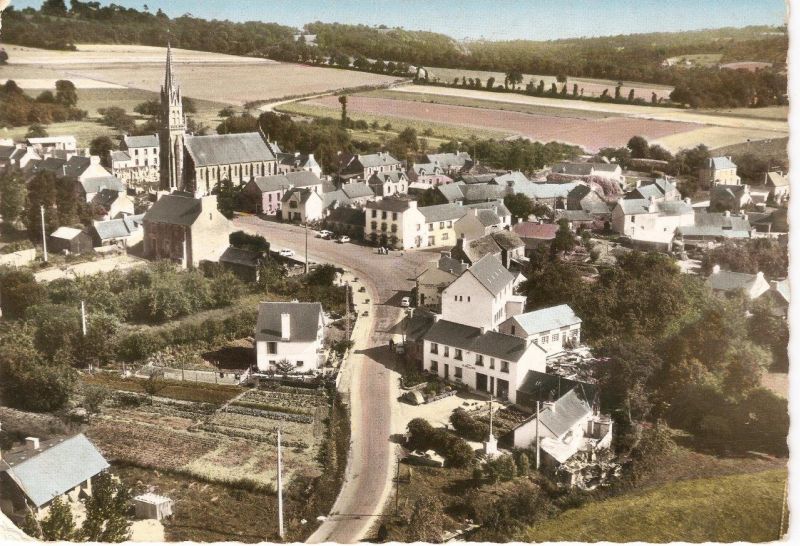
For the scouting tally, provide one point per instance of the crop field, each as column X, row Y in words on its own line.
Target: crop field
column 592, row 87
column 590, row 134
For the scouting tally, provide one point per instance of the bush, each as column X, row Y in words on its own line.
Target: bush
column 468, row 427
column 500, row 469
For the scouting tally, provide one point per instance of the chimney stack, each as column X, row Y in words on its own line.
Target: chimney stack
column 286, row 326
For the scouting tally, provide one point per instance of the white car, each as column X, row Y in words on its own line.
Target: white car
column 325, row 234
column 286, row 253
column 405, row 302
column 344, row 239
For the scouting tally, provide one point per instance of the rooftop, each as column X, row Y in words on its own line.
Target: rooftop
column 228, row 149
column 544, row 320
column 303, row 322
column 491, row 274
column 469, row 338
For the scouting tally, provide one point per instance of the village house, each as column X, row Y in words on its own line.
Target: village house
column 440, row 224
column 482, row 296
column 289, row 336
column 553, row 328
column 111, row 204
column 440, row 274
column 346, row 221
column 719, row 170
column 354, row 194
column 395, row 221
column 551, row 194
column 584, row 199
column 565, row 427
column 185, row 229
column 548, row 387
column 293, row 162
column 136, row 162
column 728, row 282
column 430, row 174
column 80, row 168
column 504, row 245
column 237, row 157
column 651, row 223
column 34, row 474
column 245, row 264
column 715, row 227
column 658, row 189
column 263, row 194
column 778, row 185
column 730, row 198
column 476, row 223
column 583, row 171
column 778, row 297
column 89, row 188
column 69, row 240
column 385, row 184
column 54, row 146
column 126, row 231
column 301, row 205
column 354, row 167
column 535, row 235
column 481, row 359
column 16, row 157
column 450, row 162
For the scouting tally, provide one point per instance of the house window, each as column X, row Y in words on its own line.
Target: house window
column 446, row 351
column 383, row 226
column 383, row 215
column 545, row 339
column 374, row 213
column 272, row 347
column 479, row 360
column 374, row 226
column 394, row 228
column 491, row 363
column 469, row 298
column 555, row 338
column 513, row 330
column 441, row 225
column 458, row 355
column 445, row 236
column 430, row 227
column 299, row 363
column 504, row 366
column 394, row 216
column 458, row 372
column 450, row 223
column 434, row 366
column 434, row 349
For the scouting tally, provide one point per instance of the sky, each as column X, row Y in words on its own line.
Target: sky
column 488, row 19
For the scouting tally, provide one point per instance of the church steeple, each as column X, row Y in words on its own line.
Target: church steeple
column 173, row 130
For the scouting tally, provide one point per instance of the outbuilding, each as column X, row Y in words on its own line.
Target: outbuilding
column 70, row 240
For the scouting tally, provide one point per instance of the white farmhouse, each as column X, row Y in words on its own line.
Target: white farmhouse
column 289, row 336
column 552, row 328
column 482, row 360
column 482, row 296
column 395, row 221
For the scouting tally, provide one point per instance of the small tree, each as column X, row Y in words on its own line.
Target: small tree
column 564, row 240
column 500, row 469
column 631, row 95
column 93, row 398
column 427, row 520
column 36, row 130
column 284, row 366
column 66, row 93
column 523, row 464
column 519, row 205
column 107, row 511
column 490, row 83
column 154, row 382
column 59, row 524
column 343, row 102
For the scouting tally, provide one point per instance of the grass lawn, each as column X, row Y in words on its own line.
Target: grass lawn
column 486, row 104
column 440, row 130
column 744, row 507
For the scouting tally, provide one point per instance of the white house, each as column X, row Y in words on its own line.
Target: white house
column 301, row 205
column 552, row 328
column 439, row 275
column 565, row 427
column 384, row 184
column 54, row 145
column 289, row 337
column 719, row 170
column 482, row 296
column 753, row 285
column 395, row 221
column 651, row 221
column 482, row 360
column 478, row 222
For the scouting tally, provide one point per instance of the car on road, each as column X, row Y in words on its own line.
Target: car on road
column 362, row 289
column 325, row 234
column 343, row 239
column 405, row 302
column 286, row 253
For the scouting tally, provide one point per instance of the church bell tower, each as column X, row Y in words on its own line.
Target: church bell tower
column 173, row 131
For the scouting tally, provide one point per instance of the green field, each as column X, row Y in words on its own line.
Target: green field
column 440, row 131
column 773, row 147
column 702, row 59
column 534, row 109
column 741, row 507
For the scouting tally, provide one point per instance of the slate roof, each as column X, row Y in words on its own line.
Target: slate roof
column 389, row 176
column 451, row 265
column 782, row 288
column 491, row 274
column 488, row 217
column 497, row 206
column 240, row 256
column 777, row 179
column 119, row 227
column 50, row 164
column 547, row 387
column 452, row 192
column 531, row 230
column 67, row 233
column 391, row 204
column 565, row 413
column 57, row 467
column 277, row 182
column 100, row 183
column 304, row 193
column 345, row 215
column 544, row 320
column 721, row 162
column 469, row 338
column 6, row 152
column 717, row 224
column 450, row 159
column 120, row 155
column 227, row 149
column 142, row 141
column 440, row 213
column 726, row 281
column 363, row 161
column 665, row 208
column 357, row 190
column 477, row 178
column 550, row 190
column 576, row 215
column 175, row 208
column 571, row 168
column 483, row 192
column 425, row 168
column 512, row 179
column 303, row 322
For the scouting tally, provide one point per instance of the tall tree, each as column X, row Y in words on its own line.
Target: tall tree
column 564, row 240
column 106, row 511
column 519, row 205
column 343, row 102
column 66, row 93
column 12, row 198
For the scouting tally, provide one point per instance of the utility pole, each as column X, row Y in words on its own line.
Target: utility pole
column 347, row 310
column 83, row 329
column 44, row 236
column 280, row 489
column 537, row 435
column 306, row 226
column 397, row 490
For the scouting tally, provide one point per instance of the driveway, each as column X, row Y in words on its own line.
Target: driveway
column 373, row 384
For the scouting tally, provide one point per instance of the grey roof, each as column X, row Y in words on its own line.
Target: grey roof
column 582, row 169
column 469, row 338
column 491, row 274
column 51, row 164
column 425, row 168
column 497, row 206
column 777, row 179
column 227, row 149
column 544, row 320
column 439, row 213
column 296, row 160
column 674, row 208
column 142, row 141
column 449, row 160
column 176, row 209
column 565, row 413
column 240, row 256
column 451, row 265
column 119, row 227
column 782, row 288
column 647, row 191
column 56, row 468
column 120, row 155
column 277, row 182
column 666, row 208
column 488, row 217
column 717, row 224
column 576, row 215
column 7, row 151
column 452, row 192
column 511, row 179
column 477, row 178
column 303, row 323
column 389, row 176
column 547, row 387
column 731, row 280
column 363, row 161
column 549, row 190
column 721, row 162
column 100, row 183
column 304, row 193
column 483, row 192
column 105, row 198
column 391, row 204
column 356, row 190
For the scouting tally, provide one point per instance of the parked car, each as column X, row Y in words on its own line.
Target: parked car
column 286, row 253
column 405, row 302
column 344, row 239
column 362, row 289
column 325, row 234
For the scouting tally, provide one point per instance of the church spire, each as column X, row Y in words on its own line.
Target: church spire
column 168, row 75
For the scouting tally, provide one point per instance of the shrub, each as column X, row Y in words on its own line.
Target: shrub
column 500, row 469
column 468, row 427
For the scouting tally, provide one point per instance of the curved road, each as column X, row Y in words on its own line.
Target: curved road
column 374, row 387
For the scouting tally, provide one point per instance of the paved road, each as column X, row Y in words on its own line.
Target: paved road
column 374, row 387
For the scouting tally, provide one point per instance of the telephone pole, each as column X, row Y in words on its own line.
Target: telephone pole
column 306, row 226
column 397, row 489
column 347, row 310
column 537, row 435
column 44, row 235
column 280, row 489
column 83, row 330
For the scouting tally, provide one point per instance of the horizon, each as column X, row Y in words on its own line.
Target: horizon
column 518, row 20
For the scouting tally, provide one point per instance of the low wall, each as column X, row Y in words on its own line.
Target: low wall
column 20, row 258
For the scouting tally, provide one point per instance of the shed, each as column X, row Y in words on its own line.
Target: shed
column 152, row 506
column 72, row 240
